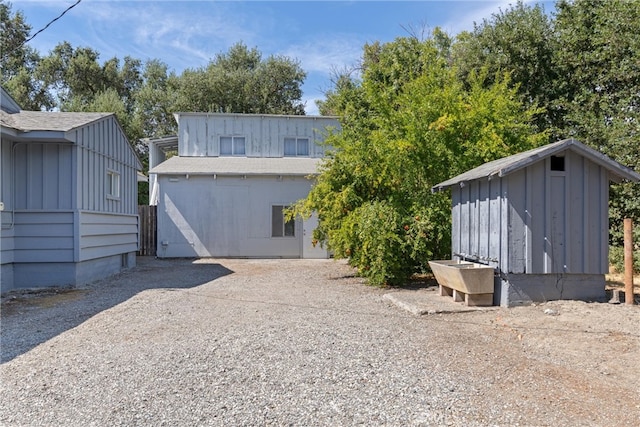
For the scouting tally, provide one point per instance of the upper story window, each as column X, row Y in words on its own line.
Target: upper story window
column 232, row 146
column 113, row 184
column 296, row 147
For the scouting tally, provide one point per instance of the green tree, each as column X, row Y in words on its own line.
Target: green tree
column 240, row 81
column 597, row 59
column 153, row 101
column 521, row 41
column 406, row 126
column 19, row 62
column 77, row 77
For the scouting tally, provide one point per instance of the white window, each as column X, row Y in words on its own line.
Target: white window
column 280, row 227
column 296, row 147
column 232, row 146
column 113, row 184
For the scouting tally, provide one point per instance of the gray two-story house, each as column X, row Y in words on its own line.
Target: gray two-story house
column 225, row 192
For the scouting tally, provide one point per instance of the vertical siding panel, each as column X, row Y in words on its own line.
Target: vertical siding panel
column 494, row 219
column 575, row 214
column 65, row 184
column 455, row 220
column 200, row 145
column 528, row 208
column 277, row 131
column 51, row 177
column 86, row 191
column 536, row 252
column 483, row 222
column 185, row 133
column 253, row 138
column 557, row 229
column 473, row 219
column 505, row 225
column 547, row 261
column 93, row 178
column 34, row 177
column 20, row 174
column 212, row 137
column 586, row 216
column 594, row 216
column 101, row 149
column 604, row 222
column 516, row 222
column 464, row 220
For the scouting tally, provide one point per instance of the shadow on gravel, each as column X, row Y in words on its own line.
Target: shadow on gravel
column 29, row 318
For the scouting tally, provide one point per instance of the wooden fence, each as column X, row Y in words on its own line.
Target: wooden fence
column 148, row 230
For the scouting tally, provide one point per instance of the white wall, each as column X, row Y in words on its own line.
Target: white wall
column 227, row 216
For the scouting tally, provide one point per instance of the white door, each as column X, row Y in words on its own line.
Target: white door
column 308, row 248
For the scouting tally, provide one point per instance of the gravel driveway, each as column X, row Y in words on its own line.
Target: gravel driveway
column 292, row 342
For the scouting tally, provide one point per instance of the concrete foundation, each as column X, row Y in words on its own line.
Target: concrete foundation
column 60, row 274
column 524, row 289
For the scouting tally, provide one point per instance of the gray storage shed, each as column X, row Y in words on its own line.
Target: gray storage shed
column 540, row 218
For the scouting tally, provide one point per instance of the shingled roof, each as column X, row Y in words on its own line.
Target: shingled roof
column 26, row 121
column 507, row 165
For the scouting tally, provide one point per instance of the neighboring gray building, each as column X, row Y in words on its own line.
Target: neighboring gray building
column 540, row 218
column 69, row 197
column 224, row 193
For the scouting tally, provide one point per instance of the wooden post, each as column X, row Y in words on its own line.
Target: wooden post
column 628, row 261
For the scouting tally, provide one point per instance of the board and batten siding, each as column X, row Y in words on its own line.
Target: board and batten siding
column 6, row 216
column 42, row 176
column 102, row 147
column 535, row 220
column 264, row 135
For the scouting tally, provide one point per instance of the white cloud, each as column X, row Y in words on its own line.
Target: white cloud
column 324, row 54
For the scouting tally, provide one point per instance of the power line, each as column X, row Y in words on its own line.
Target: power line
column 42, row 29
column 51, row 22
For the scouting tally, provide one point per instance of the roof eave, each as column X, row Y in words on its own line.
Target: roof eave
column 41, row 136
column 227, row 173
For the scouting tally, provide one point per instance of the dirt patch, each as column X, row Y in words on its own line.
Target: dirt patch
column 16, row 301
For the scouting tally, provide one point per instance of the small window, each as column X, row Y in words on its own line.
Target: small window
column 557, row 163
column 280, row 227
column 232, row 146
column 113, row 184
column 296, row 147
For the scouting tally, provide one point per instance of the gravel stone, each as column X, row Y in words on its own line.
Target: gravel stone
column 231, row 342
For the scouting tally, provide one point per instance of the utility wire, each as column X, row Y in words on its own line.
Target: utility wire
column 42, row 29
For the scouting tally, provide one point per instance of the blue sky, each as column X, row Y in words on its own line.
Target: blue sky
column 323, row 36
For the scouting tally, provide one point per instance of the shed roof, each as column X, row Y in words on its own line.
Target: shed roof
column 300, row 166
column 507, row 165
